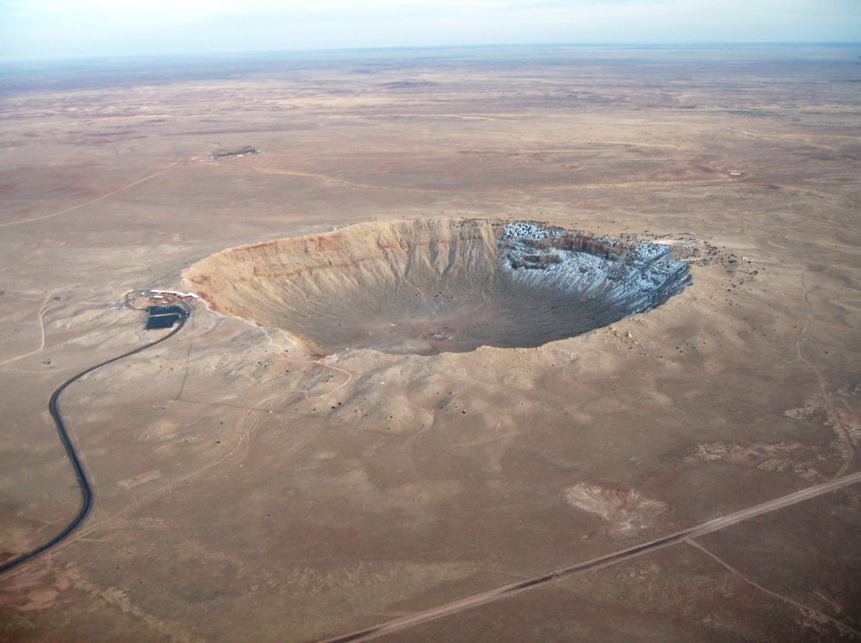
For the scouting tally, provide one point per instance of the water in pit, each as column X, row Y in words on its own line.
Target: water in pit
column 440, row 285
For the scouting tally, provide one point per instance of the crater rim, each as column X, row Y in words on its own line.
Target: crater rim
column 434, row 285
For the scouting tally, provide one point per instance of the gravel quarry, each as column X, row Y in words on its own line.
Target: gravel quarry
column 444, row 285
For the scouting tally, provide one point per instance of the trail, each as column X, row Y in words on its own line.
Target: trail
column 315, row 362
column 318, row 362
column 72, row 453
column 786, row 599
column 97, row 199
column 246, row 426
column 41, row 318
column 598, row 563
column 836, row 421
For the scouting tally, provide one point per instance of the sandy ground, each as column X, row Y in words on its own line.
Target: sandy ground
column 248, row 491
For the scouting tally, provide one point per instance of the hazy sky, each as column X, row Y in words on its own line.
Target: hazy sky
column 73, row 28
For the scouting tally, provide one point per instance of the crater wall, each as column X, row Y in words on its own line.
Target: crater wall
column 437, row 285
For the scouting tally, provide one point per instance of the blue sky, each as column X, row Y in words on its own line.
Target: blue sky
column 78, row 28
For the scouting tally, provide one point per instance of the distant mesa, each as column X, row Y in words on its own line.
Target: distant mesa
column 244, row 151
column 410, row 84
column 438, row 285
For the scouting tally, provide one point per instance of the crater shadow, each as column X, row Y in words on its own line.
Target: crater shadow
column 438, row 285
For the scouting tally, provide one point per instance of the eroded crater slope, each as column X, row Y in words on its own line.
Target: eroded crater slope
column 437, row 285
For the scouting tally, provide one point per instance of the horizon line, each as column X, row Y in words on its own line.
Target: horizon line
column 405, row 48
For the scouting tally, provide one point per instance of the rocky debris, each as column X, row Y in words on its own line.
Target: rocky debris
column 624, row 509
column 606, row 272
column 438, row 285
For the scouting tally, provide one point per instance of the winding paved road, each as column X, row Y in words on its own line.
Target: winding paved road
column 83, row 482
column 457, row 606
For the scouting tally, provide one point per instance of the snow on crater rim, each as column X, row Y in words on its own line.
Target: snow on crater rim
column 438, row 285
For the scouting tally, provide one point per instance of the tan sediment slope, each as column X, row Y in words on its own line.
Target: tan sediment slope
column 443, row 285
column 245, row 492
column 312, row 285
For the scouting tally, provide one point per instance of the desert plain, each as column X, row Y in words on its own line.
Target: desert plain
column 250, row 487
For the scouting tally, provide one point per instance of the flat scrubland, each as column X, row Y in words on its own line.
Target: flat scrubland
column 248, row 490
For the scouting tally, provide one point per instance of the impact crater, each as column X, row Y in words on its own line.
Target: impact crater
column 438, row 285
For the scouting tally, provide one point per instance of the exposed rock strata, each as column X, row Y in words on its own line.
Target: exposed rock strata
column 437, row 285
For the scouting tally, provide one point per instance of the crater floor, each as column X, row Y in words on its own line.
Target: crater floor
column 247, row 492
column 441, row 285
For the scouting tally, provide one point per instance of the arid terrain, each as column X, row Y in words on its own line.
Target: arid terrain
column 253, row 486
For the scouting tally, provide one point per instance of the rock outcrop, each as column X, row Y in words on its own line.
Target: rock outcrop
column 437, row 285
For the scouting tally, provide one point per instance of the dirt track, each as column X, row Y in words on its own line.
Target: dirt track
column 246, row 491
